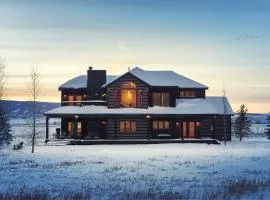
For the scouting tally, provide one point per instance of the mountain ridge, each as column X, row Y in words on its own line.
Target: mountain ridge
column 21, row 109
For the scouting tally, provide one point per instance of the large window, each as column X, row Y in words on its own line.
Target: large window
column 127, row 126
column 128, row 94
column 188, row 93
column 161, row 99
column 159, row 125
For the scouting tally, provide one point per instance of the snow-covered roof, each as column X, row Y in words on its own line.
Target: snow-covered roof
column 209, row 105
column 80, row 82
column 163, row 78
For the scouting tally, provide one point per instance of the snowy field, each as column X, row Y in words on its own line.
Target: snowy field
column 171, row 171
column 160, row 171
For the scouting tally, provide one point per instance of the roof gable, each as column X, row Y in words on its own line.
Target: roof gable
column 125, row 74
column 162, row 79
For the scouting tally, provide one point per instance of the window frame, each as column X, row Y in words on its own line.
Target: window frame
column 160, row 96
column 128, row 126
column 187, row 93
column 161, row 125
column 128, row 86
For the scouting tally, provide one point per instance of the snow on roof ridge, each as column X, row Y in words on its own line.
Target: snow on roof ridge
column 151, row 77
column 170, row 78
column 138, row 68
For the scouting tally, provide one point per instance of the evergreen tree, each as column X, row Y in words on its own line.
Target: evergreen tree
column 5, row 133
column 242, row 125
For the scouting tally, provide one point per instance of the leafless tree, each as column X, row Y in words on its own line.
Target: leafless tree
column 34, row 90
column 3, row 79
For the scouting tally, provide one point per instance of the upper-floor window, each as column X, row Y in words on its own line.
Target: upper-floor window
column 161, row 99
column 188, row 93
column 73, row 100
column 127, row 126
column 128, row 95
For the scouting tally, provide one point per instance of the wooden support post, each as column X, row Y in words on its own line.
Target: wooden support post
column 47, row 130
column 182, row 130
column 75, row 129
column 214, row 127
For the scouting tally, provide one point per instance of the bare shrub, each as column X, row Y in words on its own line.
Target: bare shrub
column 84, row 193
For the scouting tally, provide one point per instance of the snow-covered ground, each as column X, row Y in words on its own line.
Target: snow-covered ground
column 159, row 171
column 116, row 171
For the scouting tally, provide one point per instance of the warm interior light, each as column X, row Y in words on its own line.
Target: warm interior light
column 197, row 123
column 148, row 117
column 129, row 95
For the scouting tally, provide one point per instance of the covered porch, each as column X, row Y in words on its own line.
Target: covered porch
column 77, row 127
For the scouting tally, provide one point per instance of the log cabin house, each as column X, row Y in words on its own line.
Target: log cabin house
column 139, row 104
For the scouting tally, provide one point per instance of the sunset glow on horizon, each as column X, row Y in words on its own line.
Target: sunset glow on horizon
column 217, row 43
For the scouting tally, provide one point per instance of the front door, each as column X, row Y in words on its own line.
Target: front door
column 187, row 129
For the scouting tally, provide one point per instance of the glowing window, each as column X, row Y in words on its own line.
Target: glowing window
column 127, row 126
column 128, row 94
column 161, row 125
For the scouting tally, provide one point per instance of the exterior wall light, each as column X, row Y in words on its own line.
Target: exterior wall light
column 148, row 117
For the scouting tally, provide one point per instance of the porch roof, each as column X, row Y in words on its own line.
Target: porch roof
column 207, row 106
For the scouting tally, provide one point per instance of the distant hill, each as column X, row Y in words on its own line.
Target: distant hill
column 21, row 109
column 256, row 118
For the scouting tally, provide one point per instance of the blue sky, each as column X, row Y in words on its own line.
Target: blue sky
column 216, row 42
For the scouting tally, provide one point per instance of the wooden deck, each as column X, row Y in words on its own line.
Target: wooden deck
column 133, row 141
